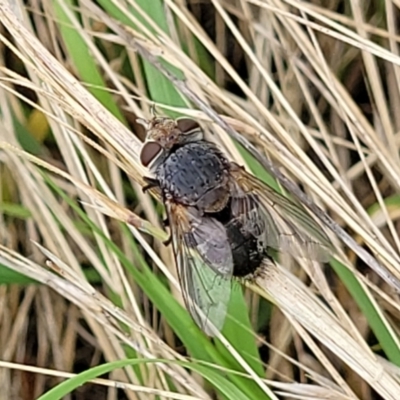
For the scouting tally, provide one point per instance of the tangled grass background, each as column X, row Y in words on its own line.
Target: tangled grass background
column 89, row 294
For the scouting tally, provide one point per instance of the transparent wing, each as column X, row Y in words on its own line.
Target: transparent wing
column 204, row 263
column 277, row 221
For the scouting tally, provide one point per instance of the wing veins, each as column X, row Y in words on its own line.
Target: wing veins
column 206, row 299
column 289, row 227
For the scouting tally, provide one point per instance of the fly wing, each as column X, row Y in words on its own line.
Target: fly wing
column 204, row 264
column 277, row 221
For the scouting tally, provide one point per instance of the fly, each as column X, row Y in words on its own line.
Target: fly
column 222, row 219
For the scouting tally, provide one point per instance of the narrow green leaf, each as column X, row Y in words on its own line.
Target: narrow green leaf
column 215, row 378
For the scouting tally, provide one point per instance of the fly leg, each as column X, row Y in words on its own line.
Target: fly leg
column 151, row 183
column 169, row 240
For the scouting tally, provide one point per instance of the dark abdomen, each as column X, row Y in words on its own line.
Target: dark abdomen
column 246, row 252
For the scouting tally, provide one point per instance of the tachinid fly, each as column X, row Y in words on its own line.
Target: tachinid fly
column 222, row 219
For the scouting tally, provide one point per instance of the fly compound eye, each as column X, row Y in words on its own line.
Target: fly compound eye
column 150, row 151
column 190, row 129
column 187, row 125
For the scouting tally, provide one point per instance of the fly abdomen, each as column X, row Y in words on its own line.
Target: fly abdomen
column 246, row 252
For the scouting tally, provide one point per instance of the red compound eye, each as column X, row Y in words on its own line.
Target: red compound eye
column 150, row 151
column 186, row 125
